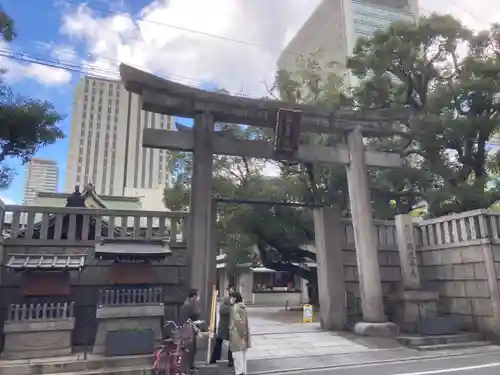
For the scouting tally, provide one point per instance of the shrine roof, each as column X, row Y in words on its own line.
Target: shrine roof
column 157, row 248
column 170, row 98
column 46, row 262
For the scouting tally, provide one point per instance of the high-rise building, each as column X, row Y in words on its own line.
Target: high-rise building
column 41, row 176
column 105, row 144
column 335, row 26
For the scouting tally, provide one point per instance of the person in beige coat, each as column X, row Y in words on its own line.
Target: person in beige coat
column 239, row 333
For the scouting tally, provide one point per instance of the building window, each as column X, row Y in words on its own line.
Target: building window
column 273, row 281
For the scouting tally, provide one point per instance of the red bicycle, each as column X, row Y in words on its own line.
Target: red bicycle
column 170, row 357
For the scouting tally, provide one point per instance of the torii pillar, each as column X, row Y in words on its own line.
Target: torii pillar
column 201, row 244
column 372, row 304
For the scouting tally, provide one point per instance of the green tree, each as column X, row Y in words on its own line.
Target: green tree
column 449, row 75
column 26, row 125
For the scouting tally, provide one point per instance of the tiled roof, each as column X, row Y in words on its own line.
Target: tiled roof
column 74, row 262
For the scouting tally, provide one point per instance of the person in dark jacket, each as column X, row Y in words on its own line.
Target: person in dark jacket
column 191, row 307
column 190, row 310
column 223, row 333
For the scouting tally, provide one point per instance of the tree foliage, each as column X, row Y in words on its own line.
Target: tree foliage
column 26, row 125
column 447, row 74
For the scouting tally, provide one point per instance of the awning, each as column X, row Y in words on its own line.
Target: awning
column 132, row 249
column 46, row 262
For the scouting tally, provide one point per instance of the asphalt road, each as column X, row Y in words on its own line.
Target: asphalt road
column 479, row 364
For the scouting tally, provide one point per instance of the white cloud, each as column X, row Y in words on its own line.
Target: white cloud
column 7, row 200
column 17, row 70
column 194, row 58
column 472, row 14
column 190, row 57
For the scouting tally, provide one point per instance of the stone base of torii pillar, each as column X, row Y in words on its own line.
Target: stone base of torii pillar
column 386, row 329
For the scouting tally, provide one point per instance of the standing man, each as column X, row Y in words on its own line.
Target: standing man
column 191, row 311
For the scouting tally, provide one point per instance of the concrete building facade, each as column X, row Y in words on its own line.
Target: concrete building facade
column 335, row 26
column 105, row 143
column 41, row 176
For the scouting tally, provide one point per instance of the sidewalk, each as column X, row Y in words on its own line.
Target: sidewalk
column 281, row 343
column 280, row 334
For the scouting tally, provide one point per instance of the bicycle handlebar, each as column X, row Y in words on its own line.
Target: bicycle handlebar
column 189, row 321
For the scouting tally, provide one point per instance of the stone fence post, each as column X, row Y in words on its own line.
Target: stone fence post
column 415, row 306
column 405, row 235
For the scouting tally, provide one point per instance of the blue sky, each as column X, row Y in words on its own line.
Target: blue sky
column 188, row 41
column 42, row 23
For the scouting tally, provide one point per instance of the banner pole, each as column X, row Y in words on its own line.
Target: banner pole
column 211, row 326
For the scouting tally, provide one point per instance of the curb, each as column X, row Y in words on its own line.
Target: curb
column 364, row 364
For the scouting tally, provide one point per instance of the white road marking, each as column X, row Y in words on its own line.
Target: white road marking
column 449, row 370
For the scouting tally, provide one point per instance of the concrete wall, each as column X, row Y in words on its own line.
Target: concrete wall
column 458, row 258
column 388, row 256
column 170, row 274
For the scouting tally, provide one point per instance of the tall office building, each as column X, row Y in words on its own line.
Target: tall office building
column 335, row 26
column 41, row 176
column 105, row 144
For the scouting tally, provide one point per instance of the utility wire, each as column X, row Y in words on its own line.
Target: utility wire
column 139, row 19
column 99, row 72
column 85, row 69
column 166, row 25
column 48, row 47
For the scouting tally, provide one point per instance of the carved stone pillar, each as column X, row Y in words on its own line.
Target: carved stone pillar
column 374, row 321
column 414, row 305
column 200, row 245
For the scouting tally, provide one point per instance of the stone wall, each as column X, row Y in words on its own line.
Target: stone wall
column 455, row 259
column 389, row 263
column 170, row 274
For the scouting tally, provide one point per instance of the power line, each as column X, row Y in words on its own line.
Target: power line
column 85, row 69
column 70, row 52
column 203, row 33
column 180, row 28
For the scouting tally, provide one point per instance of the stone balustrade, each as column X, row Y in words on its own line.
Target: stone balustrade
column 130, row 296
column 459, row 258
column 31, row 225
column 40, row 312
column 465, row 228
column 128, row 309
column 385, row 233
column 38, row 330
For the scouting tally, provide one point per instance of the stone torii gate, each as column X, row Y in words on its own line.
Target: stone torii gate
column 165, row 97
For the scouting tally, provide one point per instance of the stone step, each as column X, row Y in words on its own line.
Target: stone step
column 453, row 345
column 72, row 364
column 420, row 340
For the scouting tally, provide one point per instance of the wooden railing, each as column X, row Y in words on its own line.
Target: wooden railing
column 130, row 296
column 40, row 312
column 28, row 224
